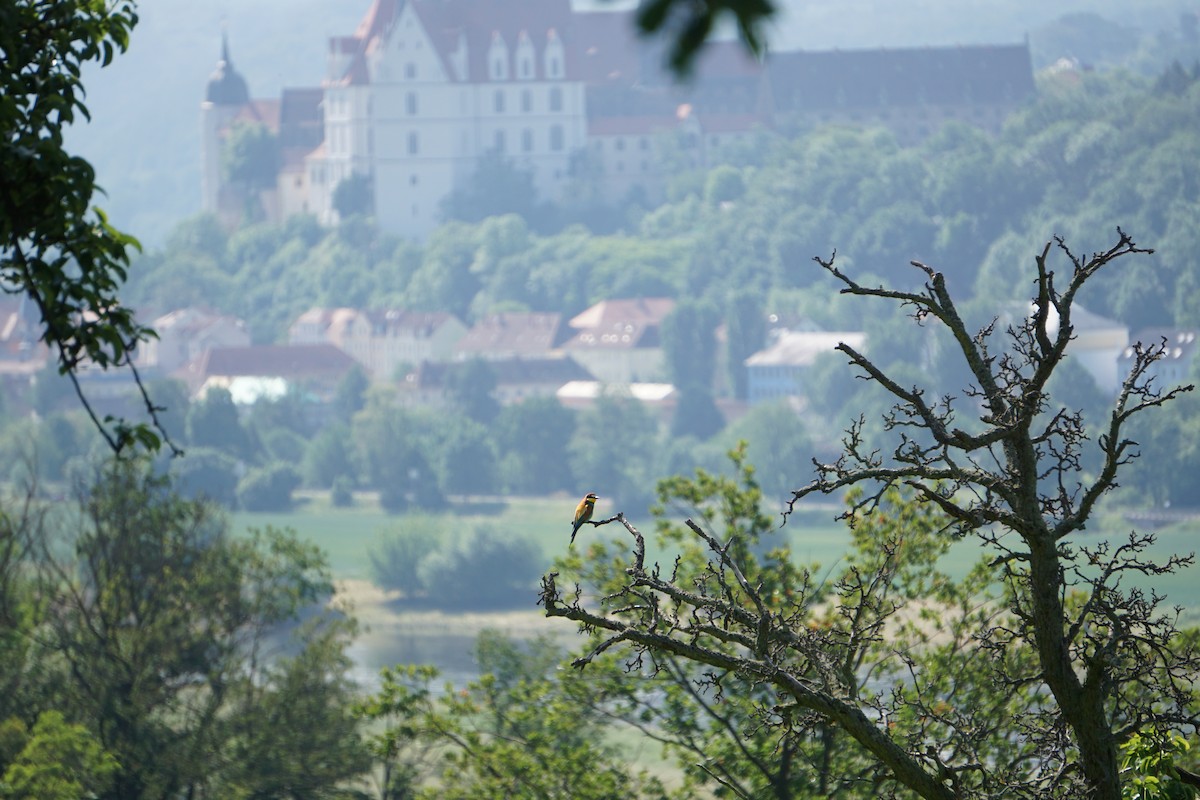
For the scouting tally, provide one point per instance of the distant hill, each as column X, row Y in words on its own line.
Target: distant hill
column 144, row 139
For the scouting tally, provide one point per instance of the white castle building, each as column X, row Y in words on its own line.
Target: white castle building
column 424, row 89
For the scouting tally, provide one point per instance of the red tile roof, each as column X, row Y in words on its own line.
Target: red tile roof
column 620, row 323
column 514, row 332
column 293, row 362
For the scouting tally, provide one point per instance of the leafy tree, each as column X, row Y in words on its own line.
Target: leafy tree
column 466, row 460
column 532, row 438
column 329, row 457
column 696, row 414
column 341, row 495
column 295, row 733
column 57, row 760
column 250, row 156
column 777, row 444
column 55, row 246
column 213, row 421
column 724, row 184
column 390, row 446
column 351, row 392
column 499, row 186
column 268, row 488
column 612, row 450
column 1073, row 658
column 485, row 568
column 400, row 551
column 745, row 335
column 354, row 196
column 161, row 624
column 207, row 473
column 690, row 345
column 521, row 731
column 470, row 387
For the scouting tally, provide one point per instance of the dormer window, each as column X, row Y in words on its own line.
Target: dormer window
column 498, row 59
column 553, row 58
column 525, row 69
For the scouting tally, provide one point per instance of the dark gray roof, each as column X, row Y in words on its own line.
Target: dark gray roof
column 226, row 87
column 985, row 74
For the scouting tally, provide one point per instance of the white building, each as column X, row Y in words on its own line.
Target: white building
column 415, row 97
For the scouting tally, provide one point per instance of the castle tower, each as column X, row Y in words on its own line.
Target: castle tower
column 225, row 94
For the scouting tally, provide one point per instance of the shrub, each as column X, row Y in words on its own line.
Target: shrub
column 484, row 569
column 342, row 495
column 268, row 488
column 394, row 561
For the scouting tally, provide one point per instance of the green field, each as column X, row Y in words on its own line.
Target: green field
column 348, row 534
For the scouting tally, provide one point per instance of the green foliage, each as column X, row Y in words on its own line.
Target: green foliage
column 390, row 445
column 1148, row 767
column 329, row 457
column 483, row 568
column 162, row 654
column 250, row 156
column 696, row 414
column 466, row 460
column 689, row 25
column 524, row 730
column 435, row 566
column 533, row 437
column 57, row 760
column 470, row 388
column 342, row 493
column 354, row 196
column 690, row 345
column 395, row 560
column 213, row 422
column 745, row 335
column 498, row 187
column 55, row 246
column 206, row 473
column 612, row 451
column 776, row 443
column 268, row 488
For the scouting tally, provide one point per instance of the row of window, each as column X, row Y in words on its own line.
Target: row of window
column 499, row 101
column 500, row 141
column 557, row 140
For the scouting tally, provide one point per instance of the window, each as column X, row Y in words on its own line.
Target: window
column 620, row 143
column 498, row 141
column 525, row 67
column 410, row 103
column 553, row 67
column 498, row 101
column 527, row 140
column 555, row 98
column 412, row 144
column 410, row 70
column 526, row 101
column 644, row 143
column 556, row 137
column 412, row 180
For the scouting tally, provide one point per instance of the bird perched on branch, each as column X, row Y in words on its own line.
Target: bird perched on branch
column 583, row 513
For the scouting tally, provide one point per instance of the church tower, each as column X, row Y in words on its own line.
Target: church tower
column 224, row 96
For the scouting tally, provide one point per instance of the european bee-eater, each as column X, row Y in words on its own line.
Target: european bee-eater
column 583, row 513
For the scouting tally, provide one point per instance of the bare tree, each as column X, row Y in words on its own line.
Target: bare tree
column 1095, row 659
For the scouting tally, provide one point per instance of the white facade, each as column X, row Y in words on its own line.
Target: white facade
column 415, row 119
